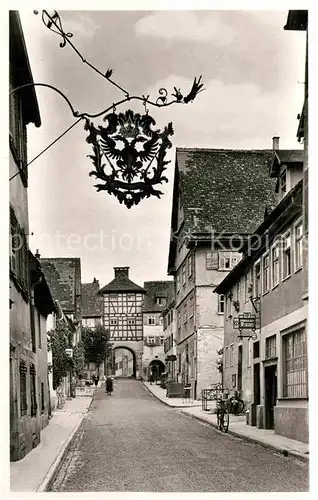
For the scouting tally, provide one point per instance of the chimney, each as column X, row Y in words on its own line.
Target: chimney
column 37, row 255
column 121, row 271
column 275, row 143
column 95, row 280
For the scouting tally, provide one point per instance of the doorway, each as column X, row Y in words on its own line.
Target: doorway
column 239, row 367
column 257, row 384
column 270, row 395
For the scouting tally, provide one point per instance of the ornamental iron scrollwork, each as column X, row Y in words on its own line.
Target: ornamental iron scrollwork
column 129, row 155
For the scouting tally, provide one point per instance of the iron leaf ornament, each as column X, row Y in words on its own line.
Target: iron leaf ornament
column 129, row 155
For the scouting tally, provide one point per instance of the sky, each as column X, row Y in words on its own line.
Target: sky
column 253, row 74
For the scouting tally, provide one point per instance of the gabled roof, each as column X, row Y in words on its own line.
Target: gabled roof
column 122, row 284
column 43, row 299
column 222, row 190
column 156, row 289
column 285, row 157
column 92, row 301
column 64, row 278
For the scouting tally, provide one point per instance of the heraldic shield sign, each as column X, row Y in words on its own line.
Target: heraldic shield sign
column 129, row 155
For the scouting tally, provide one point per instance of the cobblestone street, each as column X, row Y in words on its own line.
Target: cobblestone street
column 131, row 442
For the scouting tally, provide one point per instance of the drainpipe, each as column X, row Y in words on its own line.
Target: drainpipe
column 195, row 323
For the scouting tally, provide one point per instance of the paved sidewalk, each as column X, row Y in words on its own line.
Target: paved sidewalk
column 238, row 427
column 36, row 469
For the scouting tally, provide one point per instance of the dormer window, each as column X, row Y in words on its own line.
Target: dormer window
column 161, row 301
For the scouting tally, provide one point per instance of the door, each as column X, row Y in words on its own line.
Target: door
column 270, row 395
column 256, row 384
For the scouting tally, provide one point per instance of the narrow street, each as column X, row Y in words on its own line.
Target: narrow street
column 131, row 442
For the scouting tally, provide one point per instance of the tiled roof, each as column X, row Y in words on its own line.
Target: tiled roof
column 156, row 289
column 63, row 276
column 228, row 188
column 122, row 284
column 92, row 301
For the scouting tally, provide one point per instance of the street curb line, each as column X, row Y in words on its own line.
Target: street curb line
column 250, row 439
column 53, row 470
column 164, row 402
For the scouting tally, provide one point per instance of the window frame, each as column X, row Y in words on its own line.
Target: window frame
column 221, row 302
column 275, row 248
column 300, row 328
column 297, row 239
column 190, row 265
column 257, row 282
column 183, row 274
column 185, row 313
column 267, row 268
column 287, row 235
column 151, row 317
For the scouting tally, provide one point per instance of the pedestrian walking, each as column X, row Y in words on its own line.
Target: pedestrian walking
column 109, row 386
column 96, row 380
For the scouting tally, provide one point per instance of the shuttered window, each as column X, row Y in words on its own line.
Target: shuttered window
column 23, row 389
column 34, row 406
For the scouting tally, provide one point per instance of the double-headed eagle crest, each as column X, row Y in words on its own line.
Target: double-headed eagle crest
column 129, row 155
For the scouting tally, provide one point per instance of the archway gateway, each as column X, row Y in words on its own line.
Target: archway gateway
column 135, row 348
column 155, row 369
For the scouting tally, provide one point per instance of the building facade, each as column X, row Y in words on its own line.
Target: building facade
column 123, row 317
column 270, row 368
column 219, row 198
column 92, row 316
column 30, row 298
column 158, row 295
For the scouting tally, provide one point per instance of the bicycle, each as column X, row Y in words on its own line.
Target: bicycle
column 222, row 414
column 236, row 404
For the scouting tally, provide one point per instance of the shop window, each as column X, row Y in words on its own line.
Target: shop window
column 295, row 364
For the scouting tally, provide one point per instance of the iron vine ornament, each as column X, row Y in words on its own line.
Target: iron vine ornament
column 135, row 156
column 128, row 154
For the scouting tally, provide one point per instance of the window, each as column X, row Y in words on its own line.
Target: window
column 283, row 182
column 185, row 313
column 227, row 260
column 231, row 354
column 257, row 280
column 131, row 321
column 275, row 266
column 151, row 340
column 160, row 320
column 161, row 301
column 229, row 305
column 23, row 389
column 112, row 297
column 42, row 398
column 256, row 349
column 221, row 302
column 265, row 273
column 286, row 255
column 270, row 347
column 179, row 319
column 113, row 322
column 295, row 365
column 18, row 252
column 151, row 320
column 190, row 265
column 34, row 405
column 161, row 340
column 183, row 274
column 191, row 307
column 298, row 245
column 211, row 260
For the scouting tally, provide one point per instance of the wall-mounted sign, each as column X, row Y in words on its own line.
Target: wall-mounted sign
column 69, row 353
column 246, row 321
